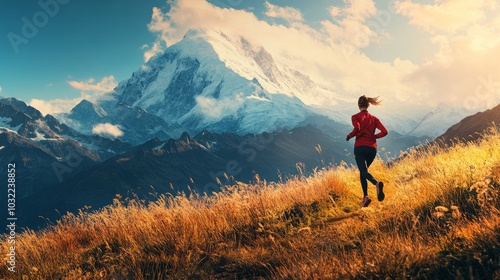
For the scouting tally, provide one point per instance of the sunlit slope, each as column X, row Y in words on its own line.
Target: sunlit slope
column 440, row 219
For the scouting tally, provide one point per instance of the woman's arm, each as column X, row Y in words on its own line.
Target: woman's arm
column 355, row 130
column 383, row 131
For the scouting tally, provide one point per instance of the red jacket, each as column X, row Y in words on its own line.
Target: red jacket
column 364, row 129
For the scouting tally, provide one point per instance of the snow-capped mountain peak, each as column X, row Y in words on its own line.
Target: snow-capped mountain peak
column 253, row 61
column 222, row 83
column 205, row 81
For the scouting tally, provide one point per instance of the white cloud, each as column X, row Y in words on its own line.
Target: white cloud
column 463, row 71
column 152, row 51
column 357, row 9
column 215, row 109
column 161, row 25
column 456, row 27
column 107, row 130
column 1, row 89
column 470, row 80
column 90, row 90
column 287, row 13
column 447, row 16
column 355, row 26
column 107, row 84
column 54, row 106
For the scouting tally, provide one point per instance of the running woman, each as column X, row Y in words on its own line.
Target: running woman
column 365, row 146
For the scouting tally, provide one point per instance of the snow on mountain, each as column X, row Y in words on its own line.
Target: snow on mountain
column 190, row 86
column 254, row 62
column 135, row 123
column 211, row 81
column 30, row 126
column 5, row 123
column 87, row 109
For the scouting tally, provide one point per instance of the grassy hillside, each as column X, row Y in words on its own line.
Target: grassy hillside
column 440, row 219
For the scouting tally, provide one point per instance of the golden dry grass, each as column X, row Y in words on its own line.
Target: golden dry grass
column 440, row 219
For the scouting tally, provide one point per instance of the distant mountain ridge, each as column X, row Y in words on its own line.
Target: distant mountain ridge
column 45, row 152
column 203, row 162
column 64, row 169
column 472, row 126
column 137, row 125
column 17, row 117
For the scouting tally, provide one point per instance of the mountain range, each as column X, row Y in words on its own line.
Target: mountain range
column 189, row 88
column 202, row 163
column 471, row 127
column 209, row 111
column 60, row 168
column 212, row 81
column 45, row 151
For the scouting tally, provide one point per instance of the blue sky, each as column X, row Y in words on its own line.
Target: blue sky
column 431, row 50
column 83, row 40
column 92, row 39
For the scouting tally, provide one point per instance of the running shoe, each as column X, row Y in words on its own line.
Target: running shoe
column 380, row 191
column 366, row 201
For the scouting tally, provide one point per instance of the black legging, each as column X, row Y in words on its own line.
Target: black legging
column 364, row 156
